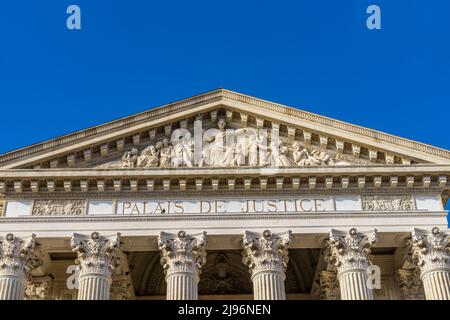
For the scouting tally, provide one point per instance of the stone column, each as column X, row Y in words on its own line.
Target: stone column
column 182, row 257
column 266, row 255
column 17, row 259
column 350, row 254
column 430, row 252
column 97, row 260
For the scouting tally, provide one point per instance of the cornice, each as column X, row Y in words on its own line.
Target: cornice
column 221, row 95
column 416, row 170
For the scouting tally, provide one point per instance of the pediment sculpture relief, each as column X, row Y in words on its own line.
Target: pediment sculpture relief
column 221, row 147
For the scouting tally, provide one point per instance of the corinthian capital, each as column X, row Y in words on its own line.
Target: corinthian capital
column 18, row 256
column 350, row 250
column 96, row 253
column 410, row 285
column 182, row 252
column 37, row 288
column 430, row 250
column 266, row 251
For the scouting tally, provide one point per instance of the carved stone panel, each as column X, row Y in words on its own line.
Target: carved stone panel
column 59, row 207
column 388, row 203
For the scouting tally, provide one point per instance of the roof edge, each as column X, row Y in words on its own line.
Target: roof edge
column 232, row 95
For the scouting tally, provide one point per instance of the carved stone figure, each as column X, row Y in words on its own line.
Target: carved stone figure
column 387, row 203
column 229, row 148
column 59, row 207
column 37, row 288
column 279, row 153
column 183, row 148
column 149, row 158
column 253, row 151
column 302, row 157
column 129, row 159
column 219, row 154
column 166, row 153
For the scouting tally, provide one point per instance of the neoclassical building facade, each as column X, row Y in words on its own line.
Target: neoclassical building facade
column 225, row 196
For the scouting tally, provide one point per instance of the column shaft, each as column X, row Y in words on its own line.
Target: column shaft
column 268, row 286
column 437, row 285
column 181, row 287
column 12, row 288
column 93, row 287
column 353, row 285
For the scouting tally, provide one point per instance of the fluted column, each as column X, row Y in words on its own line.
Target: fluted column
column 266, row 255
column 17, row 259
column 430, row 252
column 182, row 257
column 97, row 259
column 350, row 254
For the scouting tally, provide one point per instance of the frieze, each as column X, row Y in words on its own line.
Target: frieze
column 223, row 147
column 388, row 203
column 59, row 207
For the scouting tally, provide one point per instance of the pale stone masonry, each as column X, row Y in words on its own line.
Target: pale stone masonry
column 225, row 196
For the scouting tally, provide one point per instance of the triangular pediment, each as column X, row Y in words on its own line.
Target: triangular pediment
column 157, row 138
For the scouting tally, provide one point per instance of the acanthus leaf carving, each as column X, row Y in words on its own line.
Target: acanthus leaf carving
column 18, row 257
column 430, row 250
column 37, row 288
column 266, row 251
column 96, row 253
column 348, row 251
column 410, row 285
column 182, row 252
column 120, row 288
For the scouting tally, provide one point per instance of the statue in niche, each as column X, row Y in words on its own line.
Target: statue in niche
column 149, row 158
column 165, row 160
column 218, row 153
column 183, row 148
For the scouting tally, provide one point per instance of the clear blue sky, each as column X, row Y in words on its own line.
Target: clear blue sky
column 133, row 55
